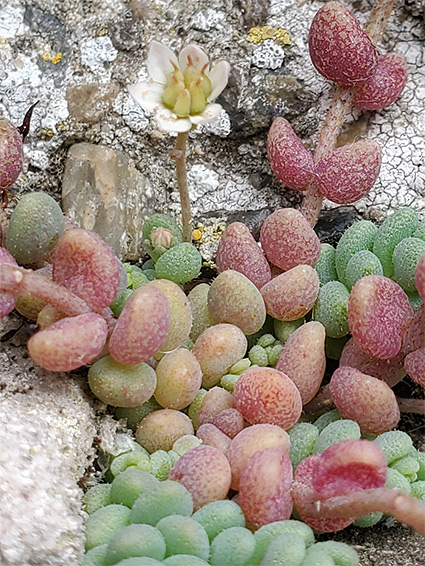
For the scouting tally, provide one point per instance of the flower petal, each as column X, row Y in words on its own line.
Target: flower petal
column 169, row 122
column 218, row 75
column 148, row 95
column 210, row 114
column 197, row 55
column 160, row 62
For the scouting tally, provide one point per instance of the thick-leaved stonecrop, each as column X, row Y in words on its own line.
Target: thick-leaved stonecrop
column 214, row 378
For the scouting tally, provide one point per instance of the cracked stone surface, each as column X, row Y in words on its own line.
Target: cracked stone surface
column 56, row 51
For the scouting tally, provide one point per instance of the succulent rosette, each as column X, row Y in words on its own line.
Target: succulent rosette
column 181, row 90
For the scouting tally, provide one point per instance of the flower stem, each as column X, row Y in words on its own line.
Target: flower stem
column 411, row 405
column 340, row 104
column 179, row 156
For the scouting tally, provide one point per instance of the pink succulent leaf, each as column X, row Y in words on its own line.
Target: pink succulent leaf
column 238, row 250
column 348, row 173
column 86, row 265
column 349, row 466
column 288, row 239
column 391, row 371
column 385, row 86
column 364, row 399
column 265, row 487
column 7, row 300
column 379, row 311
column 291, row 162
column 305, row 498
column 339, row 48
column 142, row 326
column 303, row 359
column 69, row 343
column 415, row 366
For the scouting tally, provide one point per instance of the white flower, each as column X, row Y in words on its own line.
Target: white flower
column 181, row 91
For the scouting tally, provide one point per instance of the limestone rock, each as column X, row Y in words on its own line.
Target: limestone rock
column 102, row 191
column 47, row 427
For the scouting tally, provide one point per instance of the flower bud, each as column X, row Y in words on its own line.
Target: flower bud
column 182, row 105
column 163, row 237
column 174, row 87
column 197, row 97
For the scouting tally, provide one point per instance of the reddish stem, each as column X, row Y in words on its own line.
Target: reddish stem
column 402, row 506
column 411, row 405
column 20, row 281
column 340, row 104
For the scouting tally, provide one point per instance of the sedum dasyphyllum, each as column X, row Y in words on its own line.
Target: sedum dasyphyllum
column 86, row 277
column 344, row 53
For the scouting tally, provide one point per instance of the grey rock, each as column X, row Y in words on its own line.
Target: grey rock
column 88, row 103
column 102, row 191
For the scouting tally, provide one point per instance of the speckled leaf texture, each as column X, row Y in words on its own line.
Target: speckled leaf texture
column 11, row 153
column 364, row 399
column 349, row 172
column 289, row 240
column 238, row 250
column 385, row 86
column 339, row 48
column 378, row 314
column 291, row 162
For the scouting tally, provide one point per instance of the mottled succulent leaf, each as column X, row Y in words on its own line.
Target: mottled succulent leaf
column 303, row 494
column 368, row 401
column 289, row 240
column 391, row 370
column 303, row 359
column 234, row 299
column 378, row 314
column 420, row 277
column 266, row 395
column 180, row 314
column 11, row 153
column 69, row 343
column 359, row 236
column 7, row 300
column 35, row 227
column 348, row 173
column 330, row 309
column 292, row 294
column 385, row 86
column 399, row 225
column 86, row 265
column 217, row 349
column 349, row 466
column 291, row 162
column 405, row 259
column 205, row 473
column 339, row 48
column 265, row 487
column 239, row 251
column 414, row 364
column 142, row 326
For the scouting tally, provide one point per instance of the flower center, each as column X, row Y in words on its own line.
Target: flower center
column 187, row 93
